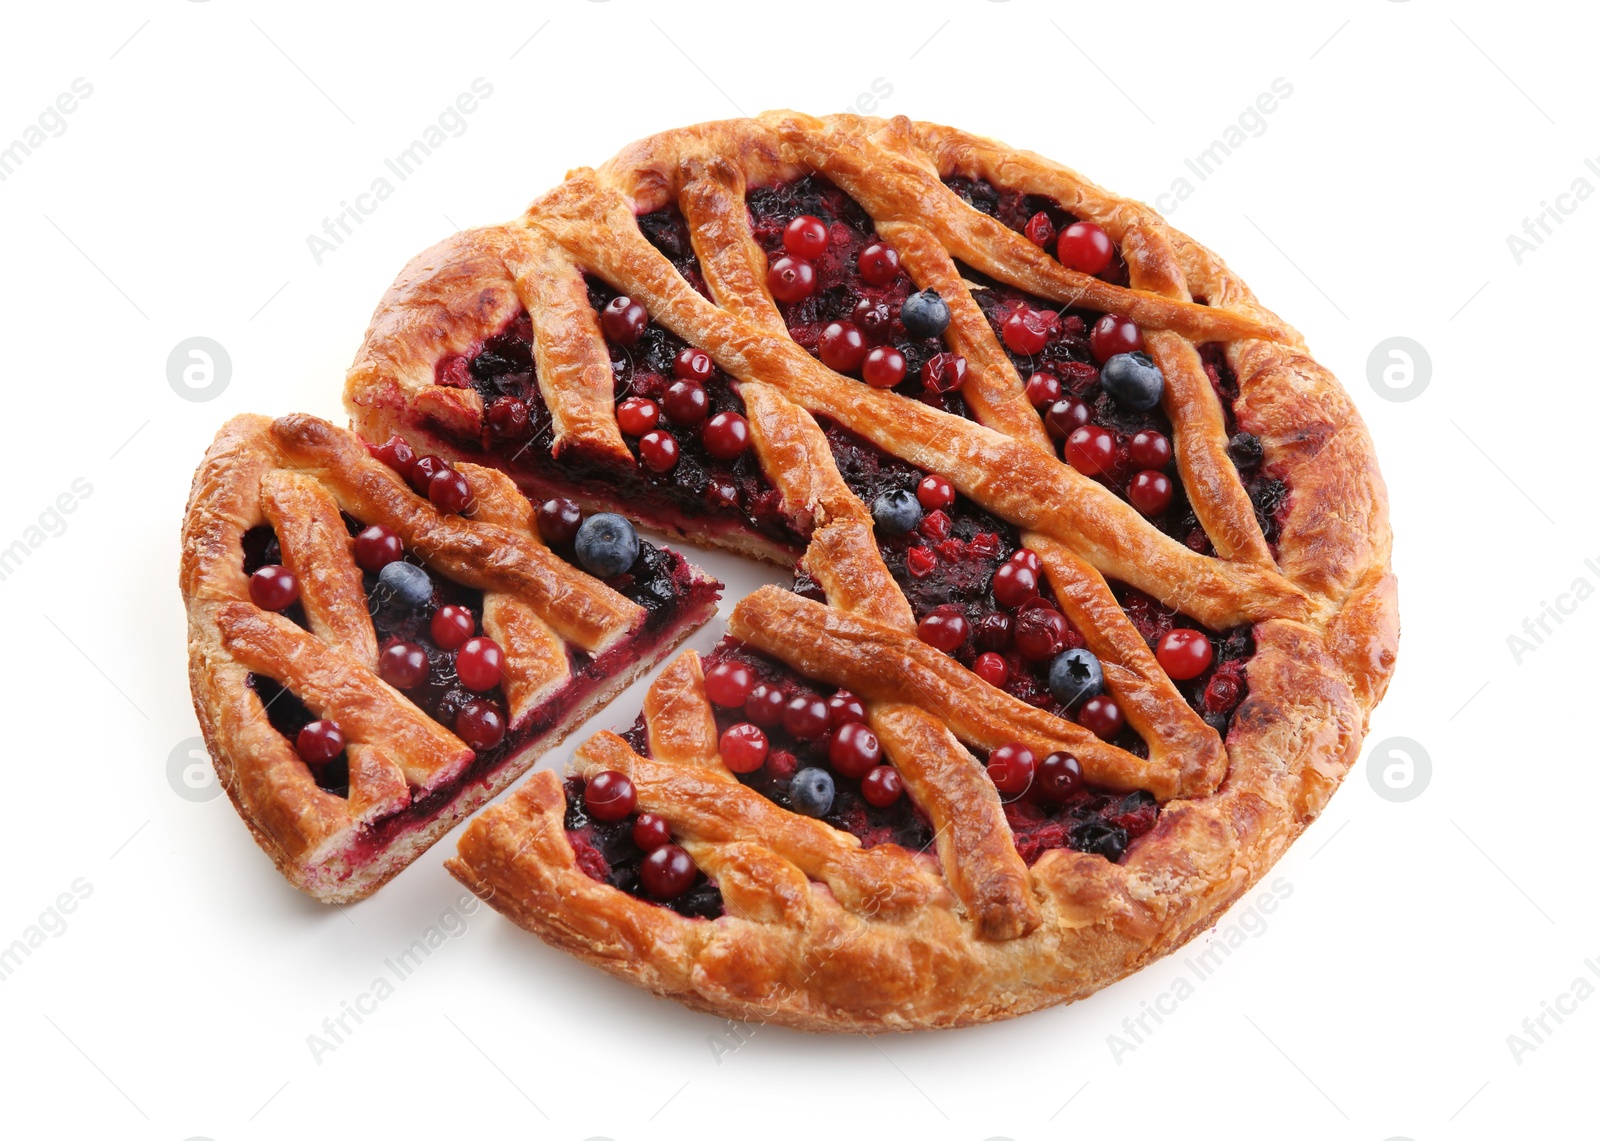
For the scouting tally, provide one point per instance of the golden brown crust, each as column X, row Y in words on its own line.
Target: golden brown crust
column 985, row 939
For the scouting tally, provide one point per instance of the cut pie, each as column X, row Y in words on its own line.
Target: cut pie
column 1092, row 594
column 370, row 663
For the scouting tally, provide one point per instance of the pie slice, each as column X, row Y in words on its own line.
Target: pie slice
column 1092, row 594
column 370, row 664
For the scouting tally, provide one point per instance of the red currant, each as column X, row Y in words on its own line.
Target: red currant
column 872, row 317
column 1091, row 449
column 397, row 454
column 729, row 683
column 423, row 471
column 1028, row 330
column 319, row 742
column 882, row 786
column 610, row 796
column 791, row 279
column 841, row 346
column 853, row 751
column 1040, row 633
column 845, row 708
column 805, row 717
column 1011, row 768
column 481, row 725
column 765, row 705
column 403, row 665
column 1101, row 716
column 944, row 628
column 1014, row 584
column 686, row 402
column 1112, row 335
column 884, row 367
column 450, row 492
column 650, row 831
column 1060, row 776
column 1043, row 388
column 994, row 631
column 658, row 451
column 879, row 264
column 508, row 418
column 636, row 415
column 726, row 435
column 1184, row 653
column 480, row 663
column 1040, row 230
column 667, row 872
column 273, row 587
column 692, row 364
column 1030, row 559
column 1150, row 492
column 743, row 747
column 1065, row 417
column 1085, row 247
column 806, row 237
column 624, row 321
column 559, row 520
column 992, row 668
column 376, row 547
column 452, row 626
column 944, row 372
column 935, row 492
column 1150, row 449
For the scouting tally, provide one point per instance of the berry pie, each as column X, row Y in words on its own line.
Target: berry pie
column 1091, row 595
column 379, row 641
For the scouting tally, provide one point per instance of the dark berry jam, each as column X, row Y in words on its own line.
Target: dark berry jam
column 606, row 852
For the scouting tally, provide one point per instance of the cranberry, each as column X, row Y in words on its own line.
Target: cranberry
column 1091, row 449
column 1060, row 776
column 1112, row 335
column 692, row 364
column 841, row 346
column 479, row 663
column 1014, row 584
column 623, row 321
column 853, row 751
column 1028, row 330
column 944, row 628
column 273, row 587
column 450, row 492
column 1040, row 633
column 667, row 872
column 403, row 665
column 452, row 626
column 845, row 708
column 610, row 796
column 377, row 547
column 508, row 418
column 765, row 705
column 920, row 561
column 994, row 631
column 944, row 372
column 1184, row 653
column 726, row 435
column 1222, row 693
column 935, row 525
column 481, row 725
column 805, row 717
column 934, row 492
column 397, row 454
column 686, row 402
column 1150, row 492
column 423, row 471
column 650, row 831
column 319, row 742
column 884, row 367
column 1085, row 247
column 992, row 668
column 728, row 684
column 559, row 520
column 1040, row 230
column 636, row 415
column 1011, row 768
column 1101, row 716
column 1027, row 558
column 658, row 451
column 882, row 786
column 791, row 279
column 806, row 236
column 1150, row 449
column 879, row 264
column 1043, row 388
column 743, row 747
column 872, row 317
column 1065, row 417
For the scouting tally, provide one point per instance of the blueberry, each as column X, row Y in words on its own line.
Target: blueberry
column 925, row 314
column 1133, row 380
column 408, row 582
column 606, row 544
column 811, row 792
column 1099, row 839
column 1075, row 676
column 896, row 512
column 1245, row 450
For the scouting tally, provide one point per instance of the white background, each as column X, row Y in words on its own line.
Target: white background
column 1378, row 999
